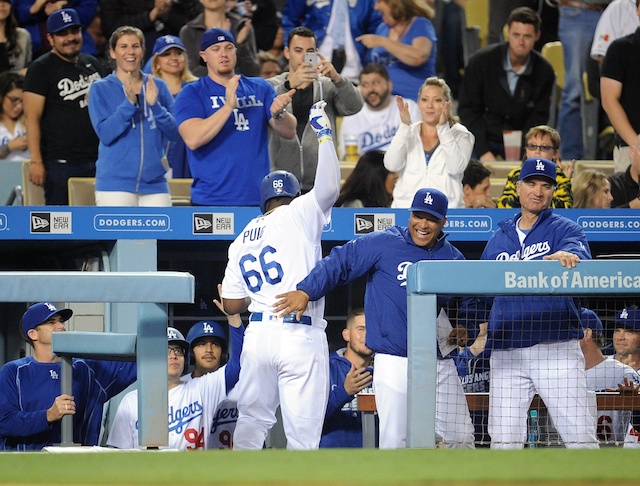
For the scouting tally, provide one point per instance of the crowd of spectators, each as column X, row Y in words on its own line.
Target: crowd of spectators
column 365, row 55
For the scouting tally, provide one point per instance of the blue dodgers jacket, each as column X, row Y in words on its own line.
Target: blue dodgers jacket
column 384, row 257
column 342, row 422
column 133, row 138
column 29, row 388
column 524, row 321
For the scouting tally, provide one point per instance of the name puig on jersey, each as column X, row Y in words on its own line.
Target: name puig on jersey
column 180, row 417
column 71, row 90
column 253, row 234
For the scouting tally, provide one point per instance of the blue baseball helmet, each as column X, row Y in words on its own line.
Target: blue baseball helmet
column 278, row 183
column 208, row 329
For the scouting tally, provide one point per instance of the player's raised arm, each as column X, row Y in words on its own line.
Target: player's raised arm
column 327, row 183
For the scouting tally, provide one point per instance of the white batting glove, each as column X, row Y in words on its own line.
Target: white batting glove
column 320, row 122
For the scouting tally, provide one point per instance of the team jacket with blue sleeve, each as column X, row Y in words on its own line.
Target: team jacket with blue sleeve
column 132, row 137
column 384, row 257
column 28, row 388
column 342, row 422
column 524, row 321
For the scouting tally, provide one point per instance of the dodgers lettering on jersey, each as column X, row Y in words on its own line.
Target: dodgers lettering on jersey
column 530, row 252
column 374, row 141
column 180, row 417
column 223, row 425
column 71, row 90
column 402, row 276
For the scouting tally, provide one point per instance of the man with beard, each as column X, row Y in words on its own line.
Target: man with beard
column 223, row 119
column 61, row 140
column 377, row 122
column 350, row 372
column 313, row 78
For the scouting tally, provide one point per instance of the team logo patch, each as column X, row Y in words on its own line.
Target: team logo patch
column 213, row 223
column 52, row 223
column 368, row 223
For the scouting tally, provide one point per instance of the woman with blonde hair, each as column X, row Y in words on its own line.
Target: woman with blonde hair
column 405, row 43
column 169, row 63
column 592, row 189
column 432, row 152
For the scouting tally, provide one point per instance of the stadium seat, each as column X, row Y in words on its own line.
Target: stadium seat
column 180, row 190
column 552, row 52
column 82, row 191
column 32, row 195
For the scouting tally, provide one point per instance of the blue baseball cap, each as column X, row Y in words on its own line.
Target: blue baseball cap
column 206, row 329
column 629, row 319
column 432, row 201
column 62, row 19
column 40, row 313
column 214, row 36
column 166, row 42
column 538, row 167
column 590, row 320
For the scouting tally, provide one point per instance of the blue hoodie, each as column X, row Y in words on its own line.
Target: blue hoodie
column 522, row 321
column 384, row 257
column 132, row 137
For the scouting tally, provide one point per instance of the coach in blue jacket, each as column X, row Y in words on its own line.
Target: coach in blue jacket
column 534, row 339
column 384, row 257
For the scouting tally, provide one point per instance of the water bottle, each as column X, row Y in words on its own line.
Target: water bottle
column 532, row 438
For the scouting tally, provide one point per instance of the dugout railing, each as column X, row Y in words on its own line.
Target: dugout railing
column 427, row 279
column 150, row 291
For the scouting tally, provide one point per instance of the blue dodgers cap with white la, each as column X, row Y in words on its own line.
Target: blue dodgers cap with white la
column 62, row 19
column 432, row 201
column 590, row 320
column 166, row 42
column 215, row 36
column 40, row 313
column 538, row 167
column 629, row 319
column 206, row 329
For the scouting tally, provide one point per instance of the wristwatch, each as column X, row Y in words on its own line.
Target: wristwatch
column 280, row 115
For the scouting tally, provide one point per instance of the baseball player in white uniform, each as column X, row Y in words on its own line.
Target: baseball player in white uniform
column 285, row 361
column 604, row 375
column 191, row 403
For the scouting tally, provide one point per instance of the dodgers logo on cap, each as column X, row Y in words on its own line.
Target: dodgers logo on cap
column 629, row 318
column 431, row 201
column 62, row 19
column 538, row 167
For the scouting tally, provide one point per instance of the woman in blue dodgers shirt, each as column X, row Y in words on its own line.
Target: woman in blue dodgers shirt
column 534, row 339
column 385, row 256
column 132, row 114
column 31, row 402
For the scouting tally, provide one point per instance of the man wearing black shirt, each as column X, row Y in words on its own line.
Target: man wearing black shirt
column 60, row 137
column 625, row 187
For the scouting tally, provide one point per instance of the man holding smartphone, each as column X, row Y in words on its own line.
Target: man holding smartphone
column 314, row 78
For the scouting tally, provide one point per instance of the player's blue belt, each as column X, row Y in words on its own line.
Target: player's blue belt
column 289, row 318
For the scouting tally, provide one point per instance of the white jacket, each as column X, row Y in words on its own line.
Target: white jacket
column 446, row 165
